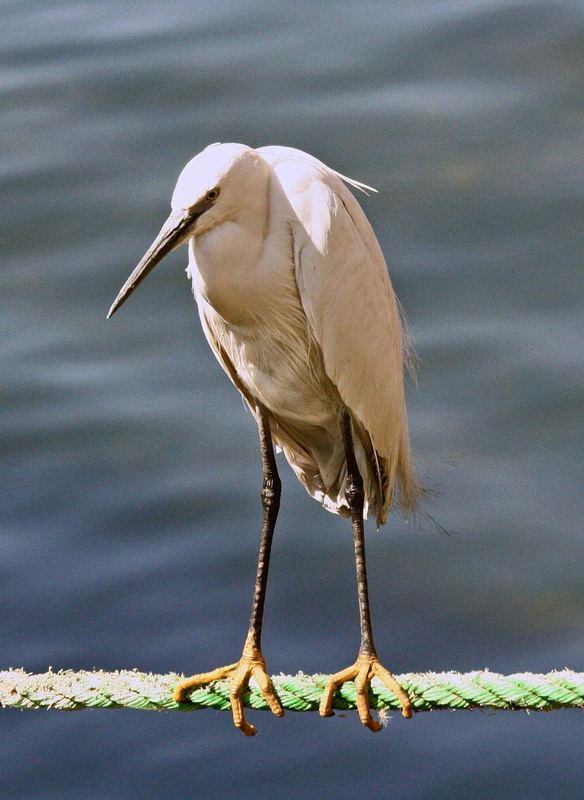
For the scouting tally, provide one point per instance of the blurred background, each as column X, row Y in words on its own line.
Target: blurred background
column 130, row 472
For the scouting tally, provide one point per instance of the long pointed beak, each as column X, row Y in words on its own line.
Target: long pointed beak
column 172, row 234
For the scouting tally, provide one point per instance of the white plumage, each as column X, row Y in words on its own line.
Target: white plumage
column 296, row 303
column 323, row 329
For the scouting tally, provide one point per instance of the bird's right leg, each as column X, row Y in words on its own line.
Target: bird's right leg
column 252, row 661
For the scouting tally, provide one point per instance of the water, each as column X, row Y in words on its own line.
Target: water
column 129, row 467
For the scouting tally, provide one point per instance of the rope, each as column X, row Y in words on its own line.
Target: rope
column 71, row 691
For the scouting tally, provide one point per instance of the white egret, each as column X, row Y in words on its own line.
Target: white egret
column 296, row 303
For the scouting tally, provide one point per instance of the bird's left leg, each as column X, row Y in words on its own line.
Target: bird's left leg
column 367, row 664
column 251, row 663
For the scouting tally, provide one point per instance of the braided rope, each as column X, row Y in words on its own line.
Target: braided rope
column 71, row 691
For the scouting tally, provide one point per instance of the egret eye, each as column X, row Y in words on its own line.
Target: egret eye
column 212, row 194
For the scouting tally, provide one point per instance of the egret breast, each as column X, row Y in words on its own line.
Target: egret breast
column 253, row 312
column 254, row 321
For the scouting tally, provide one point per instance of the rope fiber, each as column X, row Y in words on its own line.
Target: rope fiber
column 71, row 691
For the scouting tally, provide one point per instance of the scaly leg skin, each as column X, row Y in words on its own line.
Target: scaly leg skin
column 238, row 675
column 367, row 664
column 251, row 663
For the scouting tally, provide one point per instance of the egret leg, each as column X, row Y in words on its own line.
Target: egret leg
column 252, row 661
column 367, row 664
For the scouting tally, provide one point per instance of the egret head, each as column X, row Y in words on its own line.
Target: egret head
column 214, row 187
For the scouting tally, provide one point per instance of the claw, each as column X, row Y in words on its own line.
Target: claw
column 388, row 679
column 250, row 664
column 365, row 667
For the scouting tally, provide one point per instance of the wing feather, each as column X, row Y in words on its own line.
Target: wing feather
column 352, row 311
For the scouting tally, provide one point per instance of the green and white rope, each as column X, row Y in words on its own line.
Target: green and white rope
column 72, row 691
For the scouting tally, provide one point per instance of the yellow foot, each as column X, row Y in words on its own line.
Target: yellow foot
column 250, row 664
column 364, row 668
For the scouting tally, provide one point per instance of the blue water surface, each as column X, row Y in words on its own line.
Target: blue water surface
column 130, row 472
